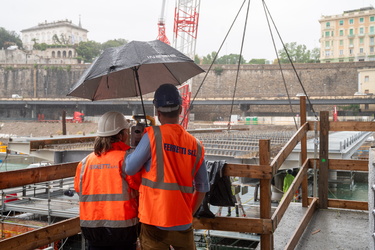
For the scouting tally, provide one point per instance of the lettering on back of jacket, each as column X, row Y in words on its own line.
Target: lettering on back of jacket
column 102, row 166
column 180, row 150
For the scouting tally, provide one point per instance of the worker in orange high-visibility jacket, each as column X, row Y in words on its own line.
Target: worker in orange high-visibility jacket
column 108, row 197
column 174, row 177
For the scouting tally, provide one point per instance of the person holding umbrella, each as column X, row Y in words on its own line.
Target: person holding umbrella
column 108, row 200
column 174, row 176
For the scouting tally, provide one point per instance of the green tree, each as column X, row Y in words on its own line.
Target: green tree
column 87, row 51
column 298, row 53
column 62, row 40
column 114, row 43
column 230, row 59
column 197, row 60
column 209, row 58
column 9, row 38
column 257, row 61
column 40, row 46
column 315, row 55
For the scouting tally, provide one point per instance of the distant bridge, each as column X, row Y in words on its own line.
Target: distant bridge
column 321, row 100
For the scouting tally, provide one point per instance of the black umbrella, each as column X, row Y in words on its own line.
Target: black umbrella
column 134, row 69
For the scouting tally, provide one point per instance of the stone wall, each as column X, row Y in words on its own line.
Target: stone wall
column 267, row 80
column 39, row 81
column 318, row 79
column 49, row 56
column 329, row 79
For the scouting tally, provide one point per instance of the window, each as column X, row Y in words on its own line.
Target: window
column 360, row 50
column 351, row 32
column 361, row 19
column 327, row 44
column 341, row 32
column 351, row 21
column 371, row 49
column 327, row 53
column 351, row 42
column 361, row 40
column 372, row 30
column 372, row 18
column 341, row 42
column 341, row 52
column 328, row 24
column 361, row 30
column 327, row 34
column 367, row 78
column 341, row 22
column 350, row 51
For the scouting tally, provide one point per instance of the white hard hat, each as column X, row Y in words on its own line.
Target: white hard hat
column 111, row 123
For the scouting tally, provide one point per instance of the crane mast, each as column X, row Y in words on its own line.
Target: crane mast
column 161, row 26
column 185, row 28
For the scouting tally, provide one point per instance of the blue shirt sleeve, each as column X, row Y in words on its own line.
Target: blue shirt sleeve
column 139, row 158
column 201, row 182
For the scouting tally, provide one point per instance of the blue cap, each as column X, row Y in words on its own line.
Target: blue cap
column 167, row 98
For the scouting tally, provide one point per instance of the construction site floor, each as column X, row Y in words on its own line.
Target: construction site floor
column 328, row 229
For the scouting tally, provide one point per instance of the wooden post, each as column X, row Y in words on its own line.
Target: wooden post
column 266, row 240
column 63, row 122
column 303, row 155
column 34, row 79
column 323, row 159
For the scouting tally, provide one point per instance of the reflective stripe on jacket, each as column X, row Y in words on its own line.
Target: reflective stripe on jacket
column 105, row 197
column 167, row 189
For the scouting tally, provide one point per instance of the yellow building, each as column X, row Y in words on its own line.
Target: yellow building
column 366, row 86
column 348, row 37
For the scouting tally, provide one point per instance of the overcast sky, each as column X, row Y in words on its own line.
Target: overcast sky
column 296, row 20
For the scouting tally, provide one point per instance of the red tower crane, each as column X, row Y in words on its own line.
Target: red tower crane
column 185, row 27
column 161, row 26
column 185, row 30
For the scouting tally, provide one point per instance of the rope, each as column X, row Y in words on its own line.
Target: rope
column 278, row 60
column 239, row 63
column 268, row 18
column 212, row 63
column 291, row 62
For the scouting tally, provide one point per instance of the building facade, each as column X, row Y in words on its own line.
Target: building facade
column 348, row 37
column 58, row 32
column 61, row 36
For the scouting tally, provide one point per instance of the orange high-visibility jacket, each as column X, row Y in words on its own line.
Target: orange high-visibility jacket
column 167, row 189
column 106, row 200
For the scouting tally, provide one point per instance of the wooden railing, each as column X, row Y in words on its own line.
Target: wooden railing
column 265, row 225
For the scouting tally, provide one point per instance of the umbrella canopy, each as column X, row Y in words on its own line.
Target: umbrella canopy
column 134, row 69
